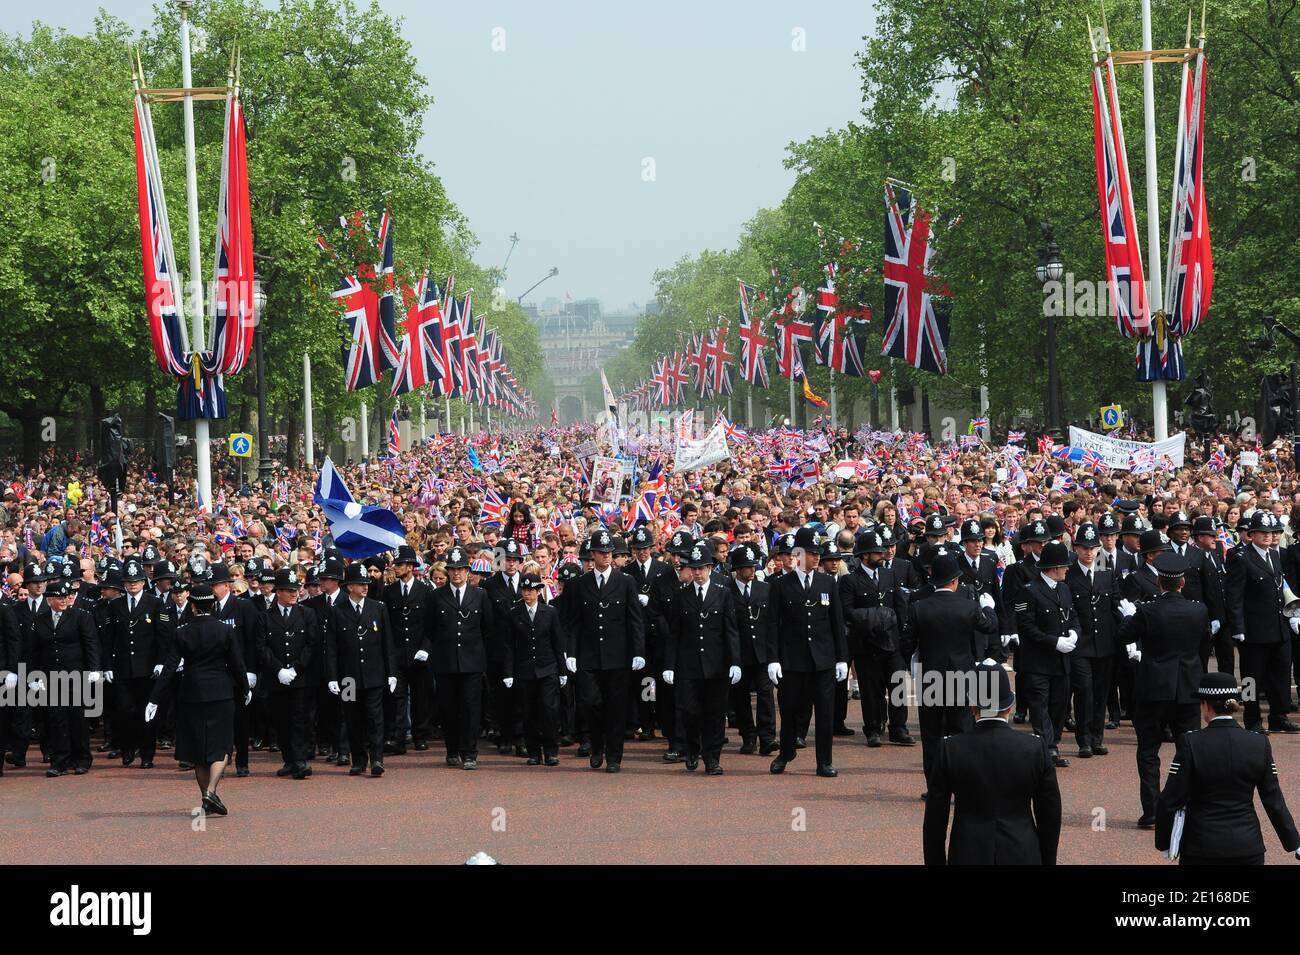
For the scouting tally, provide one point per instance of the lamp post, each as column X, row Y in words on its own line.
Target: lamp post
column 263, row 455
column 555, row 270
column 1050, row 269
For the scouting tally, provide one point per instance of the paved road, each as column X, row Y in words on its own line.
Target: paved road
column 423, row 812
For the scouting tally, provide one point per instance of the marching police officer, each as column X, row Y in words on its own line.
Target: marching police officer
column 139, row 646
column 22, row 719
column 10, row 658
column 1096, row 604
column 1214, row 776
column 293, row 640
column 330, row 733
column 407, row 599
column 1049, row 632
column 810, row 652
column 66, row 643
column 461, row 625
column 663, row 589
column 646, row 570
column 1163, row 637
column 361, row 665
column 535, row 670
column 702, row 658
column 1214, row 578
column 752, row 599
column 250, row 633
column 979, row 571
column 606, row 629
column 503, row 587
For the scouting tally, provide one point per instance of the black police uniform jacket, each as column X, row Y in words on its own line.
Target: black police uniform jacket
column 536, row 646
column 1193, row 588
column 504, row 601
column 952, row 632
column 1213, row 777
column 1170, row 632
column 139, row 639
column 362, row 648
column 409, row 616
column 1141, row 586
column 808, row 626
column 72, row 645
column 10, row 639
column 875, row 611
column 606, row 628
column 173, row 616
column 1043, row 615
column 459, row 635
column 753, row 621
column 291, row 644
column 1254, row 598
column 982, row 579
column 1096, row 604
column 215, row 668
column 1008, row 803
column 25, row 621
column 250, row 628
column 658, row 585
column 703, row 642
column 1014, row 579
column 1214, row 579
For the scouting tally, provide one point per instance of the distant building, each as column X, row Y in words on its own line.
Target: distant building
column 578, row 337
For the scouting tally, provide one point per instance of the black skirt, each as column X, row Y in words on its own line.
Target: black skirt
column 205, row 732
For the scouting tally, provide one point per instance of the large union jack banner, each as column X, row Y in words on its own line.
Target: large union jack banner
column 420, row 362
column 753, row 366
column 836, row 347
column 368, row 307
column 917, row 329
column 1191, row 272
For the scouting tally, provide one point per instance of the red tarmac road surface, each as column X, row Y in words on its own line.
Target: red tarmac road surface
column 422, row 811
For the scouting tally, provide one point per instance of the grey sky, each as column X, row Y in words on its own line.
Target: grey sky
column 547, row 137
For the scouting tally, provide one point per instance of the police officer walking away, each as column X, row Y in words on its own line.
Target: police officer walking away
column 293, row 641
column 1213, row 780
column 1007, row 804
column 461, row 621
column 361, row 665
column 1163, row 637
column 250, row 632
column 1049, row 632
column 810, row 652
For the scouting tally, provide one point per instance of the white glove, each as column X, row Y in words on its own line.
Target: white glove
column 180, row 666
column 285, row 677
column 249, row 698
column 1133, row 652
column 643, row 599
column 1126, row 608
column 986, row 601
column 334, row 687
column 93, row 676
column 1074, row 637
column 841, row 672
column 563, row 680
column 638, row 663
column 1064, row 644
column 571, row 663
column 1008, row 639
column 1239, row 637
column 1214, row 628
column 392, row 684
column 1295, row 624
column 157, row 668
column 150, row 711
column 774, row 672
column 11, row 680
column 734, row 675
column 252, row 680
column 293, row 674
column 668, row 677
column 509, row 682
column 988, row 661
column 421, row 656
column 108, row 675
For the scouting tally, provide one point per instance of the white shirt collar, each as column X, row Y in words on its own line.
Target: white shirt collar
column 1047, row 580
column 1262, row 551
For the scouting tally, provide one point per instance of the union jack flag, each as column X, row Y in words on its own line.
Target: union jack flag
column 1093, row 460
column 781, row 469
column 372, row 347
column 468, row 350
column 1142, row 461
column 836, row 347
column 668, row 504
column 719, row 361
column 421, row 359
column 918, row 327
column 394, row 435
column 98, row 537
column 805, row 473
column 1015, row 436
column 231, row 308
column 1218, row 461
column 494, row 509
column 284, row 537
column 753, row 366
column 237, row 525
column 1191, row 273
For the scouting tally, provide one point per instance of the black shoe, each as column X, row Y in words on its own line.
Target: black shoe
column 286, row 771
column 302, row 772
column 830, row 772
column 1100, row 750
column 567, row 741
column 843, row 731
column 1112, row 724
column 777, row 767
column 104, row 748
column 377, row 769
column 901, row 738
column 1059, row 761
column 1257, row 728
column 596, row 760
column 800, row 743
column 394, row 749
column 1085, row 752
column 584, row 749
column 521, row 749
column 242, row 772
column 357, row 771
column 1019, row 718
column 747, row 747
column 874, row 741
column 256, row 744
column 52, row 772
column 181, row 764
column 273, row 748
column 533, row 761
column 212, row 803
column 146, row 764
column 713, row 769
column 672, row 756
column 81, row 770
column 421, row 745
column 1147, row 822
column 692, row 763
column 770, row 747
column 614, row 768
column 505, row 749
column 552, row 760
column 454, row 762
column 470, row 763
column 343, row 759
column 645, row 737
column 1286, row 726
column 128, row 757
column 1069, row 726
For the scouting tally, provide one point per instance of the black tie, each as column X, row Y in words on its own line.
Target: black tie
column 1110, row 562
column 600, row 582
column 699, row 592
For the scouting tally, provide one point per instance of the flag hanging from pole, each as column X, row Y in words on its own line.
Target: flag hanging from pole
column 918, row 326
column 753, row 366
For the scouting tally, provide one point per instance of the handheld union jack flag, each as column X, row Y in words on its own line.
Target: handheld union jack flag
column 493, row 511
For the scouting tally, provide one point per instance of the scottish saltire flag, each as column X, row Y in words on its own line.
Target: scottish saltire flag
column 917, row 329
column 394, row 435
column 753, row 366
column 359, row 530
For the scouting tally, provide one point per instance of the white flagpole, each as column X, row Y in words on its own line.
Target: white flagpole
column 792, row 397
column 202, row 447
column 446, row 407
column 835, row 421
column 1155, row 285
column 365, row 434
column 308, row 443
column 749, row 409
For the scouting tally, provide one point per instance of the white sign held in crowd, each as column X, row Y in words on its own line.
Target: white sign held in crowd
column 710, row 449
column 1249, row 459
column 1116, row 452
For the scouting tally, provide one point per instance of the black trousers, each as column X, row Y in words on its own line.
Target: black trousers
column 1122, row 678
column 1269, row 665
column 21, row 728
column 1225, row 653
column 289, row 715
column 365, row 717
column 243, row 720
column 753, row 679
column 601, row 695
column 665, row 704
column 133, row 733
column 1149, row 719
column 1047, row 698
column 702, row 709
column 877, row 673
column 460, row 708
column 501, row 700
column 329, row 721
column 568, row 707
column 798, row 692
column 68, row 738
column 539, row 703
column 936, row 723
column 1090, row 682
column 414, row 690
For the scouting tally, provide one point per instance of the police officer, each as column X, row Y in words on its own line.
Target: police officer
column 407, row 600
column 535, row 670
column 293, row 640
column 67, row 646
column 1002, row 787
column 1214, row 776
column 1214, row 578
column 979, row 571
column 461, row 623
column 572, row 726
column 1263, row 635
column 139, row 638
column 810, row 652
column 702, row 658
column 331, row 736
column 606, row 629
column 1049, row 632
column 1142, row 584
column 1096, row 604
column 1032, row 537
column 362, row 657
column 752, row 600
column 663, row 590
column 250, row 632
column 10, row 659
column 22, row 720
column 1163, row 637
column 646, row 570
column 503, row 588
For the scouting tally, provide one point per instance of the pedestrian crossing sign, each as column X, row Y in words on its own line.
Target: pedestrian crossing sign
column 241, row 445
column 1112, row 416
